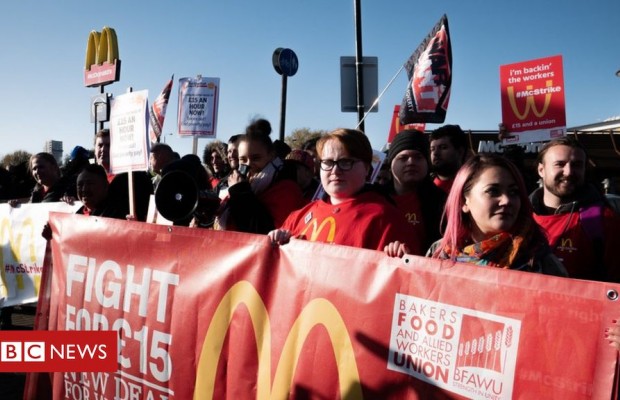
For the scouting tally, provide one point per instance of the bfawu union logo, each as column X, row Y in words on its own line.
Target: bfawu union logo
column 462, row 350
column 58, row 351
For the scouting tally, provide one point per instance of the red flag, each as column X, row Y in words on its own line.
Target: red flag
column 158, row 112
column 430, row 76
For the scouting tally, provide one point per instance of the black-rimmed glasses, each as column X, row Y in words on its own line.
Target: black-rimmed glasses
column 344, row 164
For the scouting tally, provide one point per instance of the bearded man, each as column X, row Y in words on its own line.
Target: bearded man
column 448, row 150
column 581, row 226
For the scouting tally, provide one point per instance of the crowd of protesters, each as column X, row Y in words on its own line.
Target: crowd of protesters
column 433, row 197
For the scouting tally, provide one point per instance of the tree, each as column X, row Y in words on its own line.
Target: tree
column 16, row 158
column 300, row 135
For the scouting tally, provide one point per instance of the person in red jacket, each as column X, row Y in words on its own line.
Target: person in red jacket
column 262, row 192
column 580, row 226
column 353, row 214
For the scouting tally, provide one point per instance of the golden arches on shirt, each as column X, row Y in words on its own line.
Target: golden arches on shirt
column 412, row 218
column 316, row 231
column 529, row 102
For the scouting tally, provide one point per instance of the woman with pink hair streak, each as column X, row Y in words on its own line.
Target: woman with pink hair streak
column 490, row 222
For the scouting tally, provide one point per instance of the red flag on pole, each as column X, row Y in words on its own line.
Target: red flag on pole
column 158, row 112
column 429, row 70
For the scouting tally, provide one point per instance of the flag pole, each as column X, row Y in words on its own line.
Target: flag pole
column 380, row 95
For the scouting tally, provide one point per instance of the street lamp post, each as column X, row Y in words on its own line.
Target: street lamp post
column 285, row 63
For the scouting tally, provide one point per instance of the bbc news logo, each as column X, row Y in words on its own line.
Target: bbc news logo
column 58, row 351
column 22, row 351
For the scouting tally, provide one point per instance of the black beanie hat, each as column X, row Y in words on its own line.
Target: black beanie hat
column 409, row 139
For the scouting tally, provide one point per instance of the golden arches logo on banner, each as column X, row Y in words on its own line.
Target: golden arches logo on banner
column 316, row 231
column 12, row 238
column 529, row 101
column 317, row 312
column 102, row 64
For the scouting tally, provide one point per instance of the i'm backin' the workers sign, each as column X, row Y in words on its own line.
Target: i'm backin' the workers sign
column 532, row 94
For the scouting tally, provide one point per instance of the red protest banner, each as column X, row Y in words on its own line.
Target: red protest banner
column 532, row 95
column 209, row 314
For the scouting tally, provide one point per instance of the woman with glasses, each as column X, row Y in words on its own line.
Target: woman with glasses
column 352, row 214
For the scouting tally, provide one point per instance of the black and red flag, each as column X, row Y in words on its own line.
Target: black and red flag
column 158, row 112
column 429, row 70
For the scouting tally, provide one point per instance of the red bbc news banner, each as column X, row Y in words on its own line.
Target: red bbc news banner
column 396, row 126
column 224, row 315
column 57, row 351
column 532, row 95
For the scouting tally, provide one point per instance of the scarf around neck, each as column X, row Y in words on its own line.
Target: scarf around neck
column 490, row 252
column 262, row 180
column 503, row 250
column 258, row 183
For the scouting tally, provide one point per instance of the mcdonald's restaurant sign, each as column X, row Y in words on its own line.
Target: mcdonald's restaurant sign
column 102, row 65
column 532, row 95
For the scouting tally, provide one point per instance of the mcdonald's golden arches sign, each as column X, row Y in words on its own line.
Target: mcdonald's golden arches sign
column 102, row 65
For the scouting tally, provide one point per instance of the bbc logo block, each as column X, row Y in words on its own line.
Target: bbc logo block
column 22, row 352
column 58, row 351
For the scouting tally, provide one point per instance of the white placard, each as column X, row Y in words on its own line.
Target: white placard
column 129, row 141
column 198, row 106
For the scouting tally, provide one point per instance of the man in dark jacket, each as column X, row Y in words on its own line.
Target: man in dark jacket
column 119, row 184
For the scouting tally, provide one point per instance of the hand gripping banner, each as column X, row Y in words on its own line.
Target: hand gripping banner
column 222, row 315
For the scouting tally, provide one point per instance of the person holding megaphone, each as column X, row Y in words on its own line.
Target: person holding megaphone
column 262, row 191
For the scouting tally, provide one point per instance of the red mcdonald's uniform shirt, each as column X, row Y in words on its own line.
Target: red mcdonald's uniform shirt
column 572, row 245
column 368, row 221
column 409, row 205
